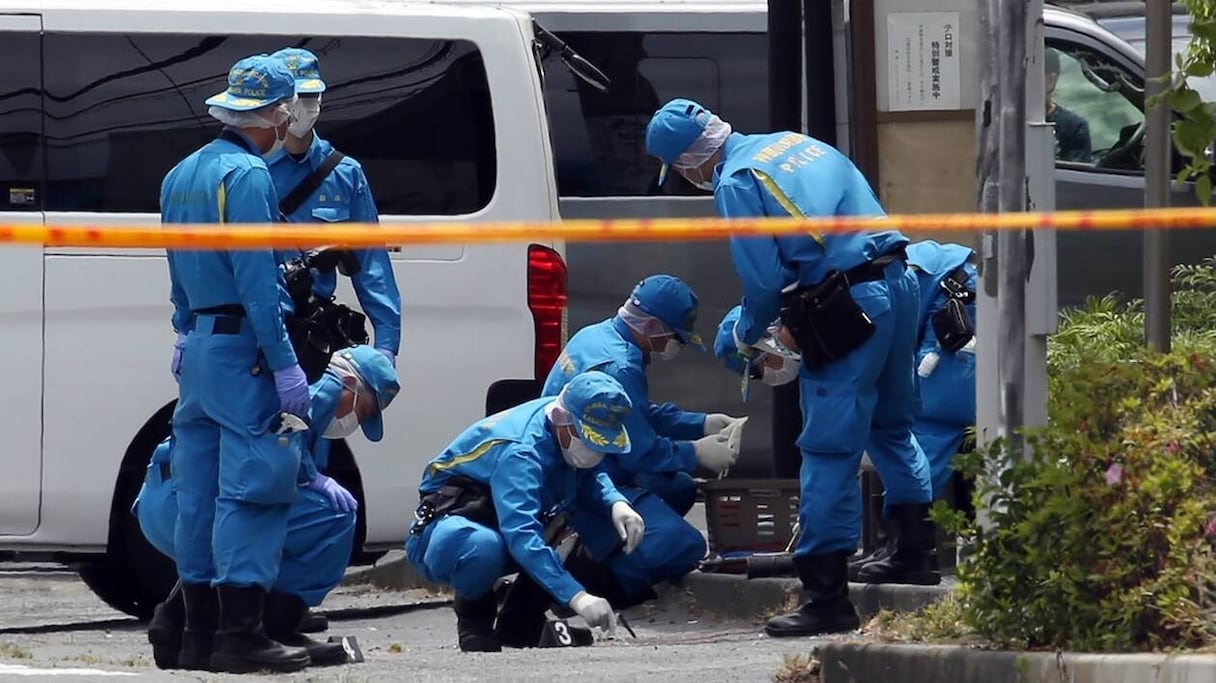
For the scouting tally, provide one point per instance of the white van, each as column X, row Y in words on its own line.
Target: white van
column 442, row 105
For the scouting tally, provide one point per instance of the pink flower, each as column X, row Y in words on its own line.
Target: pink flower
column 1114, row 474
column 1209, row 531
column 1172, row 447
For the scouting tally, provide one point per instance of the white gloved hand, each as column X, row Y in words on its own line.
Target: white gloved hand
column 594, row 610
column 629, row 525
column 744, row 349
column 716, row 422
column 714, row 452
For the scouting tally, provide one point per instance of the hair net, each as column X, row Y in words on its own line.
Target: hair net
column 711, row 139
column 343, row 369
column 642, row 322
column 558, row 413
column 270, row 116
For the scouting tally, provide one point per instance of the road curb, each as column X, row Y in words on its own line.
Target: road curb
column 854, row 662
column 392, row 573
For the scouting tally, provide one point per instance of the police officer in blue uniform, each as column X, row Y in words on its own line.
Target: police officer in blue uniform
column 240, row 383
column 358, row 385
column 655, row 322
column 851, row 304
column 945, row 369
column 485, row 502
column 343, row 196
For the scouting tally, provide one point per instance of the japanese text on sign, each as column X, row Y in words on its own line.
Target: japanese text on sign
column 922, row 61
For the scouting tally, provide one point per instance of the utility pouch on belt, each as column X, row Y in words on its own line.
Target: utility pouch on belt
column 460, row 496
column 826, row 321
column 952, row 324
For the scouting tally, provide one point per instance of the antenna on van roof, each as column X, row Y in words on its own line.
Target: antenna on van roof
column 574, row 61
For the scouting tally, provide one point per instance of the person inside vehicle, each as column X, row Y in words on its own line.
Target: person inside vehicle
column 354, row 391
column 1072, row 130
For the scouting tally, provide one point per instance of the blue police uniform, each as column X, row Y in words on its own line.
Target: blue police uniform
column 344, row 196
column 235, row 478
column 865, row 400
column 946, row 388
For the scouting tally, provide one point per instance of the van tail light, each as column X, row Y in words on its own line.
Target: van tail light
column 547, row 296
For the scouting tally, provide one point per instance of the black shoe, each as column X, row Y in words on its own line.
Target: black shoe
column 597, row 579
column 241, row 644
column 202, row 620
column 284, row 613
column 165, row 628
column 314, row 623
column 884, row 543
column 521, row 617
column 825, row 578
column 475, row 623
column 914, row 559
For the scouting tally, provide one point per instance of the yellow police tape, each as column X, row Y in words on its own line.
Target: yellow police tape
column 288, row 235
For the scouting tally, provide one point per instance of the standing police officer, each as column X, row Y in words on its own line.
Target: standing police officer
column 850, row 304
column 318, row 184
column 239, row 383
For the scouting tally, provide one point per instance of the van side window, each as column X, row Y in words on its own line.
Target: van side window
column 20, row 109
column 599, row 137
column 123, row 109
column 1096, row 109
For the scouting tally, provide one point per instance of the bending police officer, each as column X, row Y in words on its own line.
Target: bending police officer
column 239, row 383
column 851, row 305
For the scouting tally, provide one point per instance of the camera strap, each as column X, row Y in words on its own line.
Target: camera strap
column 310, row 184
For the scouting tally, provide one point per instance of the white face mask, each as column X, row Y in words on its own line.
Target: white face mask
column 306, row 111
column 783, row 375
column 342, row 427
column 577, row 454
column 274, row 149
column 706, row 185
column 670, row 351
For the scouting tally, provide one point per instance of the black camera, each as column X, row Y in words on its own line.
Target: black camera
column 319, row 327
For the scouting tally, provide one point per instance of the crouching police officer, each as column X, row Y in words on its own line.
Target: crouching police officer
column 850, row 303
column 945, row 382
column 485, row 501
column 358, row 385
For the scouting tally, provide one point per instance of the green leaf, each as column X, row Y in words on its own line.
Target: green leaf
column 1185, row 100
column 1198, row 68
column 1203, row 189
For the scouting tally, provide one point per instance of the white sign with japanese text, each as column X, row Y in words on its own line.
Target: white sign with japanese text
column 922, row 61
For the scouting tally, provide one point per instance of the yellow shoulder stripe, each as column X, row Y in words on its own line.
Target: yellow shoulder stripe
column 221, row 199
column 482, row 448
column 785, row 202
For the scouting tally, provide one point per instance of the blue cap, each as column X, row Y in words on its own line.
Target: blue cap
column 255, row 82
column 667, row 298
column 599, row 405
column 724, row 343
column 378, row 374
column 673, row 129
column 304, row 67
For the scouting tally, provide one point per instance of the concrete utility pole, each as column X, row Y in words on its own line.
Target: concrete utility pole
column 1158, row 148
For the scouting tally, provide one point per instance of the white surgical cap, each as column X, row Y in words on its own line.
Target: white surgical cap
column 558, row 413
column 642, row 322
column 279, row 113
column 343, row 368
column 711, row 139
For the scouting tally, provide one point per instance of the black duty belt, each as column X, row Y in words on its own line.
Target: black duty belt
column 228, row 318
column 871, row 271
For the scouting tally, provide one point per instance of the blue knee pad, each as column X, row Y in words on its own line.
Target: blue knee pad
column 677, row 489
column 458, row 552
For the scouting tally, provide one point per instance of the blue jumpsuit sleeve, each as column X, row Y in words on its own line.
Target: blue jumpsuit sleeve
column 375, row 284
column 757, row 261
column 251, row 199
column 596, row 487
column 515, row 484
column 669, row 421
column 182, row 317
column 648, row 451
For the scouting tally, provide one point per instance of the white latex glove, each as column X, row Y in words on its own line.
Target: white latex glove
column 745, row 349
column 594, row 610
column 714, row 452
column 629, row 525
column 716, row 422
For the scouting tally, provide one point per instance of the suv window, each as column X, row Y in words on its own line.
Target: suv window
column 20, row 109
column 121, row 110
column 1097, row 110
column 599, row 137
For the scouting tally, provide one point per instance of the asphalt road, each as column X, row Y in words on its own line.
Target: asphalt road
column 52, row 625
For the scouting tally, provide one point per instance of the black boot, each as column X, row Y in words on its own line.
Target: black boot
column 598, row 579
column 284, row 613
column 884, row 543
column 165, row 628
column 521, row 618
column 914, row 560
column 475, row 623
column 825, row 579
column 202, row 619
column 241, row 644
column 314, row 622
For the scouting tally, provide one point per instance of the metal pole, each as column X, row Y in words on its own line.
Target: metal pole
column 1157, row 147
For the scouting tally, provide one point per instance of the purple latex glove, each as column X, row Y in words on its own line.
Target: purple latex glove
column 292, row 388
column 392, row 357
column 175, row 366
column 339, row 498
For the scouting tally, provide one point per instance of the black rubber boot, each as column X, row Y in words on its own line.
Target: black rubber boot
column 884, row 542
column 914, row 560
column 825, row 579
column 202, row 620
column 165, row 628
column 521, row 617
column 597, row 579
column 284, row 613
column 314, row 623
column 241, row 644
column 475, row 623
